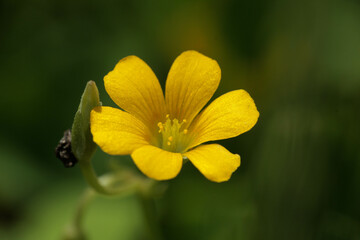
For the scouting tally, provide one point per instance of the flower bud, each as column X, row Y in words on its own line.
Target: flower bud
column 82, row 143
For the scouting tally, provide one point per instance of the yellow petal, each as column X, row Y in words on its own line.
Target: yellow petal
column 192, row 80
column 214, row 161
column 117, row 132
column 133, row 86
column 227, row 116
column 157, row 163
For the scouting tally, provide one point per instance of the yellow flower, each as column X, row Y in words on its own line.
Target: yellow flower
column 160, row 132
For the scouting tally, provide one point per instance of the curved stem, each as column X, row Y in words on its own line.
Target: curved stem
column 84, row 201
column 128, row 183
column 103, row 185
column 75, row 229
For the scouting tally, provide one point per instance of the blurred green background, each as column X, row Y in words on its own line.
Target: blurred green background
column 299, row 60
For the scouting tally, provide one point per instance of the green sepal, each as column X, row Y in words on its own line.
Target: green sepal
column 82, row 144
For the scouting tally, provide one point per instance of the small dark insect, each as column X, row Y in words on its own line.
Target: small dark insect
column 63, row 150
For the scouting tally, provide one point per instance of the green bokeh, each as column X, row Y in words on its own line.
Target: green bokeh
column 299, row 60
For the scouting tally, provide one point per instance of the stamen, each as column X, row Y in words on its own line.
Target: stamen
column 161, row 127
column 173, row 134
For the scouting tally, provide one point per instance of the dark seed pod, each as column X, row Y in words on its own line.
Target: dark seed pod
column 63, row 150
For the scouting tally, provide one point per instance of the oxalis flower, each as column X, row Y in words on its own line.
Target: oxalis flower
column 160, row 132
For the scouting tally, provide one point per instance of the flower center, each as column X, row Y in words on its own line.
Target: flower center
column 173, row 137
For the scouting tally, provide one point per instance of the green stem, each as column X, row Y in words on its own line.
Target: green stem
column 75, row 230
column 104, row 184
column 84, row 201
column 150, row 214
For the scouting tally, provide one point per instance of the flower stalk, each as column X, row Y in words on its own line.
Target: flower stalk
column 75, row 231
column 151, row 220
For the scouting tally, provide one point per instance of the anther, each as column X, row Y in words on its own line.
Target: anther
column 161, row 126
column 185, row 131
column 168, row 143
column 170, row 138
column 167, row 115
column 184, row 121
